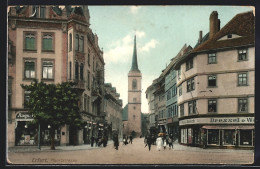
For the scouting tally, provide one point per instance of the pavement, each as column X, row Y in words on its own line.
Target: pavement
column 176, row 147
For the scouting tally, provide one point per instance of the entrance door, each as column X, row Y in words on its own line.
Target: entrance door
column 73, row 136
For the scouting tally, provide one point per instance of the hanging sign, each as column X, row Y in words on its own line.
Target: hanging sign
column 24, row 116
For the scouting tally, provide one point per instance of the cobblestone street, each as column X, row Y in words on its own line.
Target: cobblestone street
column 130, row 154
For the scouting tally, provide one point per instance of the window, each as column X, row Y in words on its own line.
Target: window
column 180, row 90
column 88, row 80
column 242, row 105
column 47, row 42
column 212, row 58
column 242, row 54
column 172, row 111
column 190, row 84
column 70, row 42
column 212, row 80
column 169, row 95
column 35, row 11
column 47, row 69
column 213, row 137
column 134, row 99
column 242, row 79
column 88, row 58
column 42, row 11
column 26, row 98
column 212, row 106
column 76, row 70
column 134, row 107
column 77, row 42
column 189, row 64
column 174, row 90
column 70, row 71
column 81, row 71
column 81, row 44
column 134, row 84
column 182, row 110
column 29, row 71
column 192, row 107
column 229, row 36
column 30, row 41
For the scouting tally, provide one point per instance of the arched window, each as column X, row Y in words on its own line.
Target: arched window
column 70, row 42
column 134, row 84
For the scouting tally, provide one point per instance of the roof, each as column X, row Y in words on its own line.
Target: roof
column 242, row 24
column 125, row 113
column 134, row 59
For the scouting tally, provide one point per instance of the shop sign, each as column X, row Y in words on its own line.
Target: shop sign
column 218, row 120
column 24, row 116
column 169, row 120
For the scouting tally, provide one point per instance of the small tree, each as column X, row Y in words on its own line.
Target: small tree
column 54, row 104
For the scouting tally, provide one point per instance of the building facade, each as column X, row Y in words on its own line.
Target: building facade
column 54, row 45
column 113, row 110
column 217, row 81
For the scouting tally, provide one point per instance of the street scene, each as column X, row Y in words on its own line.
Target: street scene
column 135, row 153
column 131, row 84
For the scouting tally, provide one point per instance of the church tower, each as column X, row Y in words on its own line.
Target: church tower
column 134, row 96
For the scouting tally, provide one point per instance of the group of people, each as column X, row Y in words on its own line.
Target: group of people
column 161, row 142
column 99, row 140
column 125, row 139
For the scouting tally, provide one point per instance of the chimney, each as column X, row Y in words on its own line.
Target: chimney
column 200, row 36
column 214, row 24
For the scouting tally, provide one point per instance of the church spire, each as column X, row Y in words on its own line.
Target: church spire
column 134, row 59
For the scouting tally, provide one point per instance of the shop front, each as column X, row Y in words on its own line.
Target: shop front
column 173, row 127
column 225, row 132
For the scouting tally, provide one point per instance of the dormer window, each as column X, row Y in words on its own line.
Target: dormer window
column 229, row 36
column 39, row 11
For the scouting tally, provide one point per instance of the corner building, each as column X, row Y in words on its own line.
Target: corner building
column 217, row 79
column 53, row 45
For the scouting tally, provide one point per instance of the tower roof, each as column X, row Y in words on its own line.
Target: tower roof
column 134, row 59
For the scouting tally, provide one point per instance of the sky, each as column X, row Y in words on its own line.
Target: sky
column 161, row 32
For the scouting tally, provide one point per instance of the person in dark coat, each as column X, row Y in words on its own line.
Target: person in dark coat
column 92, row 141
column 149, row 142
column 116, row 141
column 105, row 141
column 96, row 140
column 131, row 139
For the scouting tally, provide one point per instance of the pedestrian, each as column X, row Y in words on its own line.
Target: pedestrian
column 116, row 142
column 145, row 140
column 131, row 139
column 124, row 140
column 92, row 141
column 149, row 142
column 170, row 143
column 164, row 144
column 159, row 143
column 96, row 140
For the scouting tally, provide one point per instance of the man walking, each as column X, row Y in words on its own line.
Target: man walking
column 116, row 142
column 131, row 139
column 149, row 142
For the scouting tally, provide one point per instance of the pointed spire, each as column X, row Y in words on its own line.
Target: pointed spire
column 134, row 59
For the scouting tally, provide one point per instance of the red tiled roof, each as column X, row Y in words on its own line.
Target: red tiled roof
column 242, row 24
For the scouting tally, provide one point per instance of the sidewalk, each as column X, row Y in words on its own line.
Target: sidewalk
column 57, row 148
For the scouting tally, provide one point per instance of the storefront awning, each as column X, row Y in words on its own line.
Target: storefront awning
column 230, row 127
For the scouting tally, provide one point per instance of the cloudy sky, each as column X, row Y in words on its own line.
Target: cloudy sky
column 161, row 32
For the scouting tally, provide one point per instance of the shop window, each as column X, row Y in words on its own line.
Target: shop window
column 30, row 41
column 212, row 106
column 242, row 54
column 47, row 42
column 242, row 79
column 213, row 137
column 192, row 107
column 29, row 69
column 229, row 137
column 212, row 58
column 190, row 84
column 47, row 70
column 242, row 105
column 212, row 81
column 189, row 64
column 246, row 137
